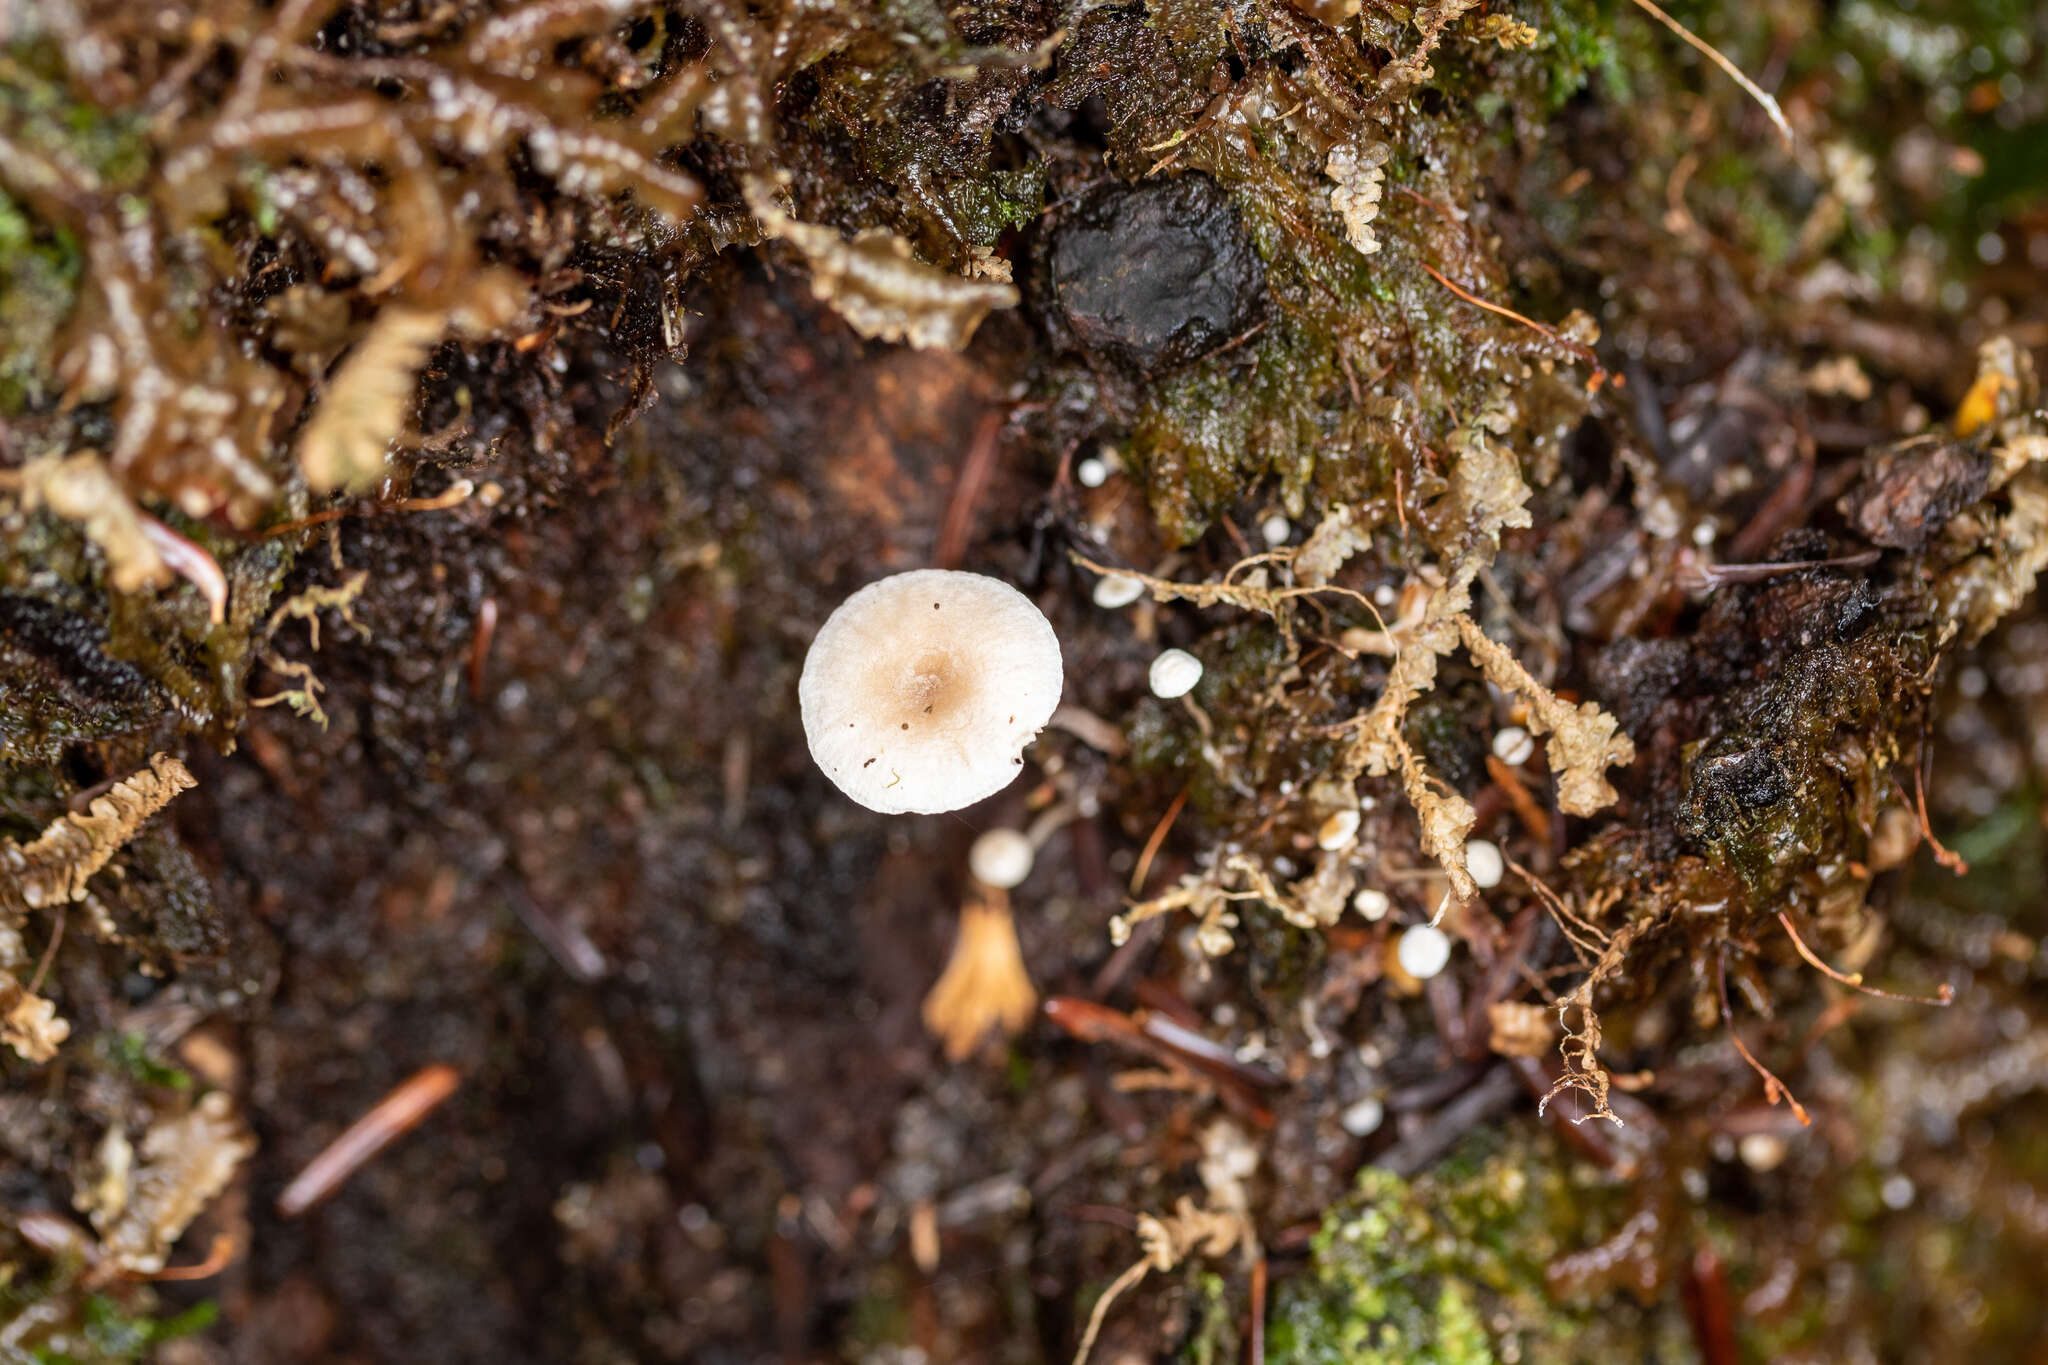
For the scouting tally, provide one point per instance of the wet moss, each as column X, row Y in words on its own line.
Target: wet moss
column 1451, row 1268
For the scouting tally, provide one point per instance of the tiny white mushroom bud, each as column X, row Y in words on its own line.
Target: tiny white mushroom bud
column 1484, row 861
column 1276, row 529
column 1000, row 858
column 1091, row 473
column 1513, row 746
column 1174, row 674
column 1114, row 590
column 922, row 690
column 1338, row 831
column 1761, row 1151
column 1423, row 951
column 1372, row 903
column 1363, row 1118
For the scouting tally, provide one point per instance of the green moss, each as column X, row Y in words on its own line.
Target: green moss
column 130, row 1053
column 1451, row 1268
column 38, row 284
column 1215, row 1337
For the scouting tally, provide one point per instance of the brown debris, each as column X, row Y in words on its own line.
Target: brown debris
column 1911, row 490
column 1519, row 1029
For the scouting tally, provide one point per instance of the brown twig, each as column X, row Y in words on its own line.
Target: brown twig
column 1948, row 858
column 453, row 495
column 1945, row 996
column 387, row 1121
column 218, row 1254
column 1774, row 1089
column 975, row 467
column 480, row 645
column 1256, row 1352
column 1707, row 50
column 1577, row 348
column 49, row 953
column 1532, row 816
column 1151, row 850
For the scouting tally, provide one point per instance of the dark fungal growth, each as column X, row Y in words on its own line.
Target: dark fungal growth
column 1587, row 509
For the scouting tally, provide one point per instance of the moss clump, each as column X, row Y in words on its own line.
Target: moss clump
column 1450, row 1268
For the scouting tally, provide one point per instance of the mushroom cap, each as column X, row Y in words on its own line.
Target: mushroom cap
column 922, row 690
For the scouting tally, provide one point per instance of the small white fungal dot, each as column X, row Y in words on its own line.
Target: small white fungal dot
column 1372, row 903
column 1114, row 590
column 1091, row 472
column 1513, row 746
column 1338, row 831
column 1276, row 529
column 1423, row 951
column 1761, row 1151
column 1174, row 674
column 1703, row 534
column 1000, row 858
column 1384, row 595
column 1897, row 1191
column 1363, row 1118
column 1484, row 861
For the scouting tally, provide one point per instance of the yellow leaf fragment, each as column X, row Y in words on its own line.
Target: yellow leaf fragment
column 985, row 985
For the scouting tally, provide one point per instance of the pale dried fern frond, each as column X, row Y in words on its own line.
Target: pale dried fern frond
column 878, row 286
column 1361, row 176
column 369, row 399
column 187, row 1161
column 80, row 489
column 54, row 869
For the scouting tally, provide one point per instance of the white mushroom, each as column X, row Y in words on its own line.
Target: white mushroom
column 1174, row 674
column 1513, row 746
column 1484, row 861
column 922, row 690
column 1114, row 590
column 1423, row 951
column 1000, row 858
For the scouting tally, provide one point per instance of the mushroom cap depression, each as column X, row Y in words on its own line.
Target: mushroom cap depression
column 922, row 690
